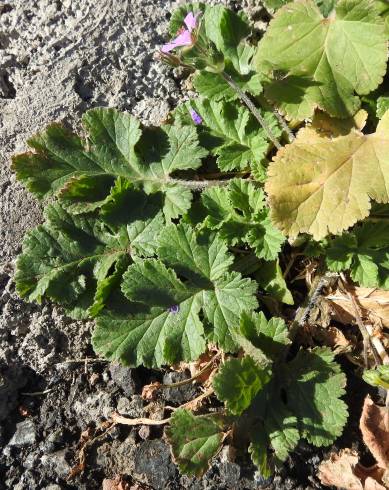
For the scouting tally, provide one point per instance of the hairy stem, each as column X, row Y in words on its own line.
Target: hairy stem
column 198, row 185
column 246, row 100
column 284, row 125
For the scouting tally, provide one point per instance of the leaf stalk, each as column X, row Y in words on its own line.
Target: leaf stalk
column 246, row 100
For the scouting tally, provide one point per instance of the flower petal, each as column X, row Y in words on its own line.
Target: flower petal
column 191, row 21
column 184, row 39
column 196, row 118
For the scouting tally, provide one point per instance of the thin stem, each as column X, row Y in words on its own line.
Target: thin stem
column 198, row 185
column 387, row 410
column 293, row 257
column 367, row 342
column 284, row 125
column 214, row 175
column 193, row 404
column 193, row 378
column 303, row 312
column 243, row 97
column 119, row 419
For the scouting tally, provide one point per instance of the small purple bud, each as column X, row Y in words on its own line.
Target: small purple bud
column 196, row 118
column 174, row 309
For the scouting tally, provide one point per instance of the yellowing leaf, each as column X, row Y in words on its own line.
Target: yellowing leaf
column 326, row 125
column 319, row 186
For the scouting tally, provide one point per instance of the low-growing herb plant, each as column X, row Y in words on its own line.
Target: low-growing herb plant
column 174, row 237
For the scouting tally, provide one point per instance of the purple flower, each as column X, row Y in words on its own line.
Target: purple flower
column 196, row 118
column 174, row 309
column 184, row 37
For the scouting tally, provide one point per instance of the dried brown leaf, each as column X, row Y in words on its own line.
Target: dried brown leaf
column 339, row 469
column 374, row 305
column 149, row 392
column 342, row 470
column 375, row 431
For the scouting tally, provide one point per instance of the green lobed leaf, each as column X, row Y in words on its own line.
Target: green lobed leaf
column 78, row 261
column 378, row 377
column 213, row 86
column 67, row 258
column 238, row 382
column 271, row 279
column 267, row 336
column 281, row 427
column 365, row 252
column 258, row 450
column 228, row 31
column 239, row 214
column 325, row 6
column 308, row 50
column 382, row 104
column 279, row 424
column 195, row 440
column 230, row 132
column 81, row 172
column 314, row 386
column 192, row 274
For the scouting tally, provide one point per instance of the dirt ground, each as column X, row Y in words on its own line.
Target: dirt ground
column 57, row 59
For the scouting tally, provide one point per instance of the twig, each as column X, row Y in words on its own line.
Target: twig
column 193, row 378
column 291, row 262
column 246, row 100
column 80, row 467
column 367, row 343
column 81, row 361
column 192, row 404
column 384, row 358
column 37, row 393
column 119, row 419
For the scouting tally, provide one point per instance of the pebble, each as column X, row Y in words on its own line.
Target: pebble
column 25, row 434
column 123, row 377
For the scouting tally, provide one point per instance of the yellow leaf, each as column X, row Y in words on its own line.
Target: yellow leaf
column 320, row 185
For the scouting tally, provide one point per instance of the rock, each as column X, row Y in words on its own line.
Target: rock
column 25, row 434
column 57, row 463
column 117, row 455
column 124, row 377
column 144, row 432
column 94, row 407
column 30, row 461
column 11, row 380
column 132, row 408
column 229, row 474
column 153, row 463
column 180, row 394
